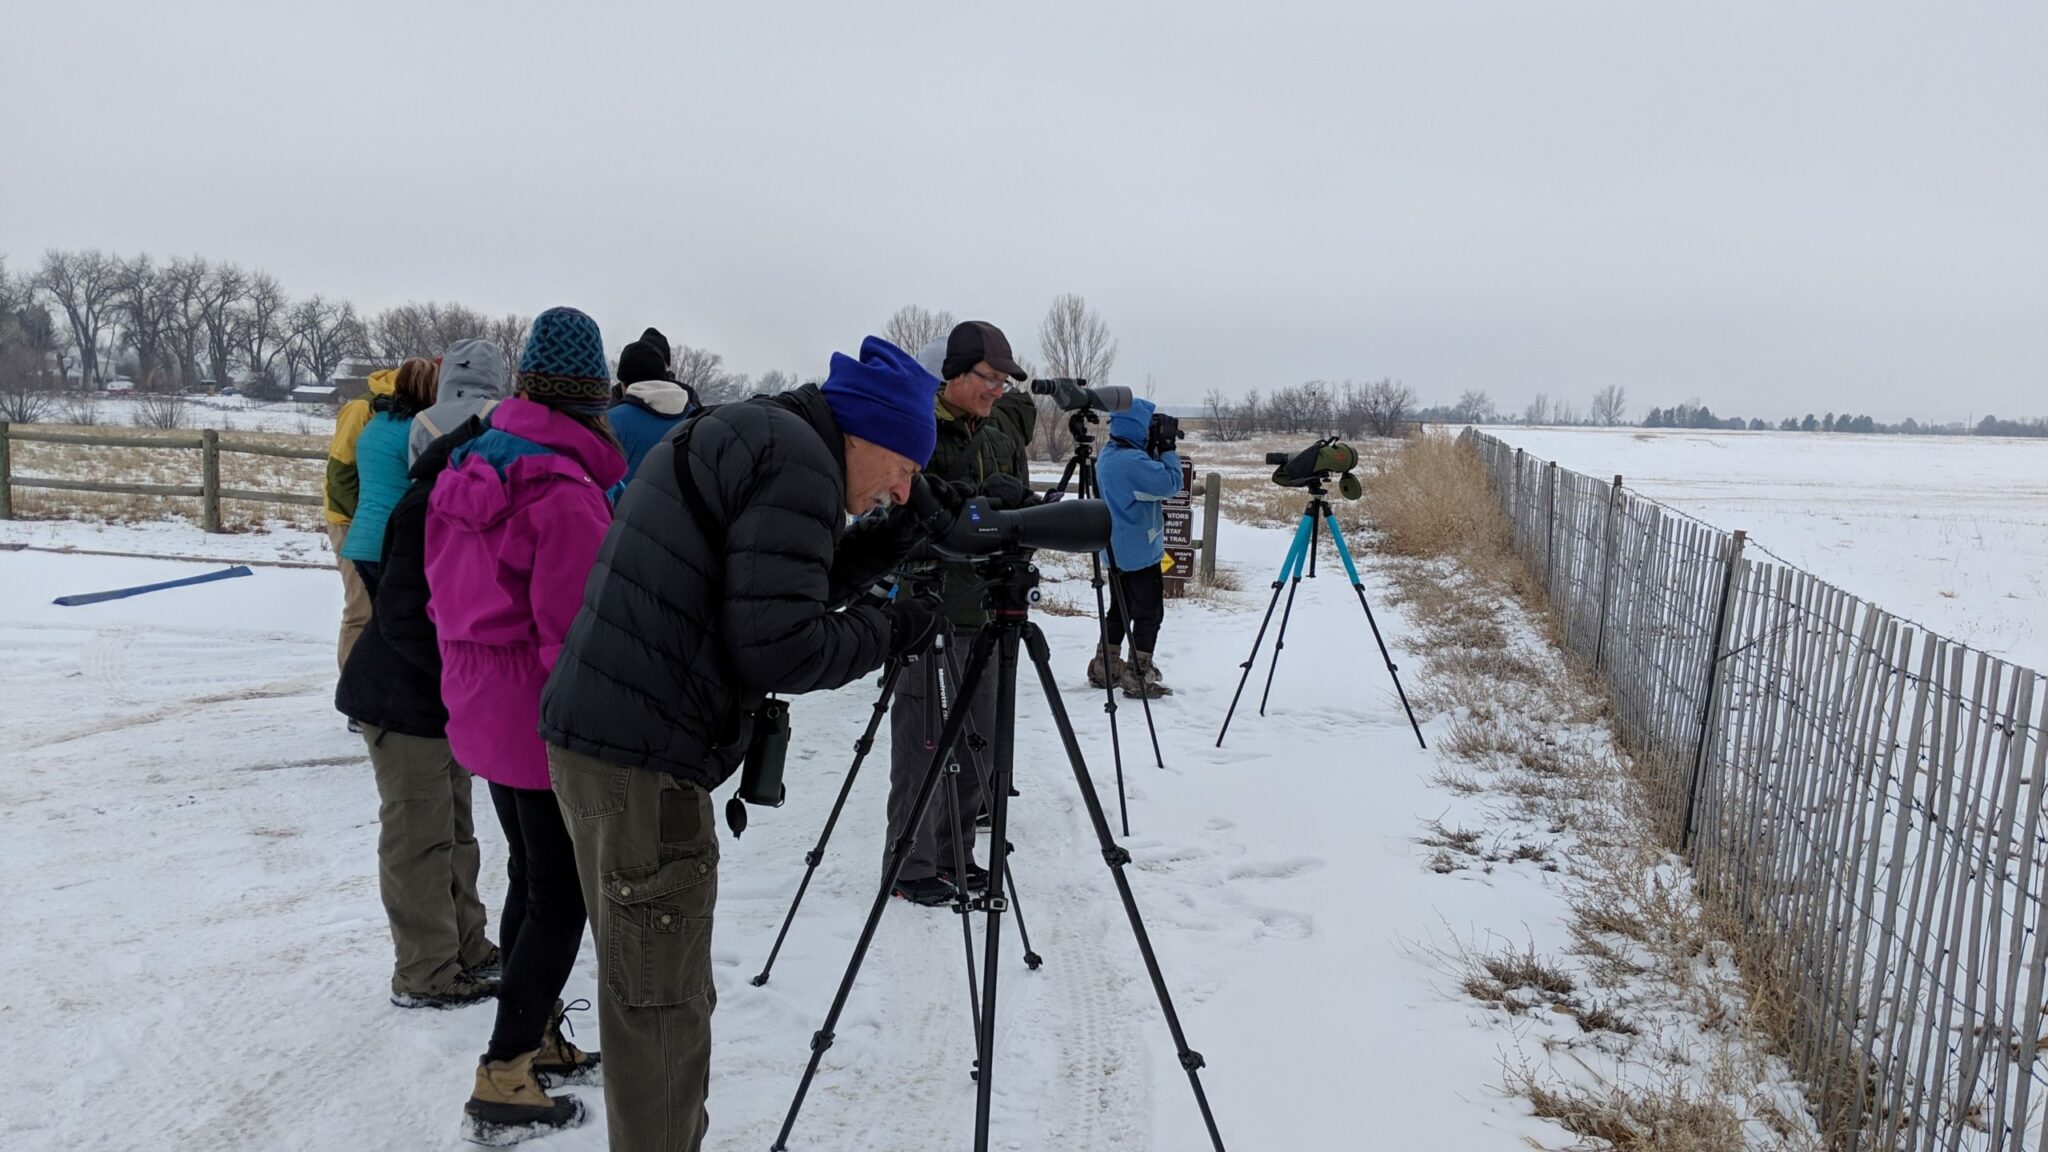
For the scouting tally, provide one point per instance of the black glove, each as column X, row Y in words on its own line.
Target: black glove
column 912, row 620
column 1006, row 491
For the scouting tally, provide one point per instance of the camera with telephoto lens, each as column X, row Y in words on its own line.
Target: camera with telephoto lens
column 1070, row 394
column 1163, row 435
column 1314, row 465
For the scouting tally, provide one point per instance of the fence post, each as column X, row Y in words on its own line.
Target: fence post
column 209, row 480
column 1606, row 573
column 1550, row 531
column 6, row 475
column 1720, row 650
column 1515, row 514
column 1212, row 514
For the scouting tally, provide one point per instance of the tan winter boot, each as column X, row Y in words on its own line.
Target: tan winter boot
column 562, row 1062
column 1140, row 678
column 508, row 1105
column 1101, row 673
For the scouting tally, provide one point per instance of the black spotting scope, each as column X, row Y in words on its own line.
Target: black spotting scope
column 1070, row 394
column 981, row 529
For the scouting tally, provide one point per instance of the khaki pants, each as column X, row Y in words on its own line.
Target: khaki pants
column 355, row 599
column 427, row 860
column 647, row 857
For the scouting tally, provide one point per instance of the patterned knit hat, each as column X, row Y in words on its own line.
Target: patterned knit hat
column 563, row 365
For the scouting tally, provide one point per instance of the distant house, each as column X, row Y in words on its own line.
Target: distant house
column 352, row 378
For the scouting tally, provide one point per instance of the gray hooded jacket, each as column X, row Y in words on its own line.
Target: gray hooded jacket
column 472, row 382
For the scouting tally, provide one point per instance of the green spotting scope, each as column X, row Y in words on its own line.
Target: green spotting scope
column 1315, row 464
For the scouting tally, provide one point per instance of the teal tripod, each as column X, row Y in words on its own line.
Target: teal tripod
column 1301, row 556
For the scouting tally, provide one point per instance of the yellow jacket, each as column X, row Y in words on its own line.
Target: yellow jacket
column 342, row 485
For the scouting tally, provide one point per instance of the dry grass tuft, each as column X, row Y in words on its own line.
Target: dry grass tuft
column 1430, row 498
column 1667, row 1118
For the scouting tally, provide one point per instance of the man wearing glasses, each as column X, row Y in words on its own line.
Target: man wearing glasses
column 984, row 428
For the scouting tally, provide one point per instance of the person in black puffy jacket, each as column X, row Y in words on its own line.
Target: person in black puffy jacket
column 427, row 855
column 726, row 575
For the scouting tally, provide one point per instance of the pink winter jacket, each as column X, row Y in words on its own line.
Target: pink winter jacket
column 513, row 528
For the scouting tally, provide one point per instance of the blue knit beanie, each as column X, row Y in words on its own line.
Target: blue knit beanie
column 563, row 364
column 885, row 397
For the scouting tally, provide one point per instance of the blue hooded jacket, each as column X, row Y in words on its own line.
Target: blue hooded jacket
column 1134, row 485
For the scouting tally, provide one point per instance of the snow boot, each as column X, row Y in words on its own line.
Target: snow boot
column 491, row 967
column 928, row 891
column 977, row 879
column 1141, row 678
column 467, row 988
column 562, row 1062
column 1102, row 673
column 509, row 1106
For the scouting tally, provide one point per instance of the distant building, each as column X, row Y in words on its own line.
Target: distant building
column 352, row 379
column 326, row 394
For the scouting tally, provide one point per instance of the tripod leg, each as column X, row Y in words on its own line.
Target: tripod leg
column 1116, row 749
column 995, row 904
column 977, row 664
column 981, row 772
column 1287, row 568
column 861, row 747
column 936, row 676
column 1116, row 857
column 1280, row 637
column 1119, row 587
column 1357, row 585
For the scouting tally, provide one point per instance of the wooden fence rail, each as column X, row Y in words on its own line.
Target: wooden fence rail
column 207, row 442
column 1863, row 798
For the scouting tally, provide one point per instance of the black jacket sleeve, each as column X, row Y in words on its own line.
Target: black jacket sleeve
column 401, row 609
column 780, row 632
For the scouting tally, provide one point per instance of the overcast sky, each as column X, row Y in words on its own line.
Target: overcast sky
column 1771, row 207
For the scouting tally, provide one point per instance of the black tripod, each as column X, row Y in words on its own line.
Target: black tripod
column 1012, row 585
column 1081, row 468
column 942, row 684
column 1302, row 554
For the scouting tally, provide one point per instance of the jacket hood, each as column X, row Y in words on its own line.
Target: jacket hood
column 664, row 397
column 472, row 369
column 527, row 444
column 384, row 383
column 1133, row 423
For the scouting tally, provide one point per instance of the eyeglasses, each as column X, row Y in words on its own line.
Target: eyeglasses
column 996, row 381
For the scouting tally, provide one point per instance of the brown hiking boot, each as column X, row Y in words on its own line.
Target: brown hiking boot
column 560, row 1061
column 508, row 1105
column 467, row 988
column 1140, row 678
column 1101, row 673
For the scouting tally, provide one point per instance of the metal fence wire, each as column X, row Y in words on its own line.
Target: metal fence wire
column 1863, row 798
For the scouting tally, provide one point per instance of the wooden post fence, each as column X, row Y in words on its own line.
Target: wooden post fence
column 208, row 491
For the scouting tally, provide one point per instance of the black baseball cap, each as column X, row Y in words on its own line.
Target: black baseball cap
column 976, row 340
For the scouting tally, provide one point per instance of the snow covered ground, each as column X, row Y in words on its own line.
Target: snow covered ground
column 197, row 957
column 1951, row 531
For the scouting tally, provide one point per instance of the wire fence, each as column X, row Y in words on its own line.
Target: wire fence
column 1862, row 797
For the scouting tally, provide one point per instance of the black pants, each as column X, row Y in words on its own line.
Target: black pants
column 1139, row 597
column 542, row 925
column 370, row 571
column 947, row 833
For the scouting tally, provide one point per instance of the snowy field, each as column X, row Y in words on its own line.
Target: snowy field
column 1950, row 531
column 190, row 923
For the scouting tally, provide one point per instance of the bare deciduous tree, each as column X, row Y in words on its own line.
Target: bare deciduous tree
column 186, row 286
column 1222, row 414
column 1474, row 407
column 321, row 334
column 264, row 308
column 704, row 371
column 1074, row 341
column 220, row 316
column 508, row 332
column 1538, row 411
column 914, row 326
column 146, row 301
column 1386, row 405
column 83, row 285
column 1610, row 405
